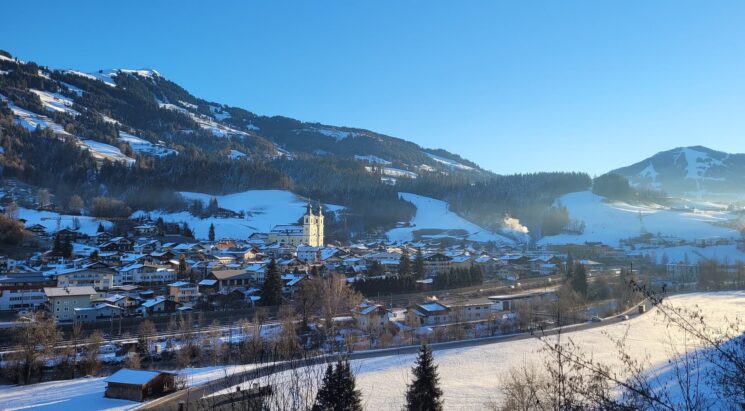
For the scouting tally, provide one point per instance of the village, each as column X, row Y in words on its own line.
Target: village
column 158, row 296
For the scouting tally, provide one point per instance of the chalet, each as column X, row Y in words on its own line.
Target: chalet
column 67, row 234
column 371, row 317
column 157, row 305
column 183, row 292
column 99, row 275
column 97, row 312
column 508, row 302
column 38, row 230
column 208, row 286
column 291, row 282
column 430, row 313
column 102, row 237
column 139, row 385
column 146, row 229
column 436, row 263
column 162, row 256
column 119, row 244
column 231, row 279
column 64, row 301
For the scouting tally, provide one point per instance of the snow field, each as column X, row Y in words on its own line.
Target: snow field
column 611, row 222
column 435, row 214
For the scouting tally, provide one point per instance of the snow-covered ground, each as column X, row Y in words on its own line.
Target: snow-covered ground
column 55, row 221
column 264, row 209
column 140, row 145
column 103, row 151
column 208, row 123
column 87, row 394
column 372, row 159
column 609, row 222
column 392, row 172
column 333, row 133
column 693, row 254
column 30, row 120
column 236, row 155
column 55, row 102
column 470, row 377
column 435, row 214
column 448, row 162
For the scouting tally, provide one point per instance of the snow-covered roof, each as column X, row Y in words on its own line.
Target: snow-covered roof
column 132, row 377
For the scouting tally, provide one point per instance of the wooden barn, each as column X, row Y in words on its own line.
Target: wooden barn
column 139, row 385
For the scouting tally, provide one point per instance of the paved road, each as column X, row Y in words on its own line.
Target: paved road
column 191, row 396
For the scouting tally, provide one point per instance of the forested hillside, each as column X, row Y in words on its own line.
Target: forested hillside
column 134, row 136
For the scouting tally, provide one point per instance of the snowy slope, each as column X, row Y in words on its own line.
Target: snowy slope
column 610, row 222
column 435, row 214
column 448, row 162
column 55, row 102
column 372, row 159
column 140, row 145
column 54, row 221
column 103, row 151
column 264, row 209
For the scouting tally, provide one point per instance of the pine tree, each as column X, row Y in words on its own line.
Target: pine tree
column 404, row 264
column 100, row 228
column 419, row 265
column 349, row 398
column 570, row 265
column 57, row 247
column 424, row 393
column 578, row 280
column 337, row 392
column 327, row 393
column 271, row 290
column 66, row 248
column 211, row 234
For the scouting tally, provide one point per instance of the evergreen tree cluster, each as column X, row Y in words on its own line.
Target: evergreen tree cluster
column 271, row 290
column 460, row 277
column 338, row 392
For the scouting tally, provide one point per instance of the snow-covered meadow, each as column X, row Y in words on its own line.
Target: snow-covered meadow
column 436, row 215
column 610, row 222
column 263, row 209
column 470, row 377
column 53, row 222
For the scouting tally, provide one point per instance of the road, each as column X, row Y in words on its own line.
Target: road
column 191, row 397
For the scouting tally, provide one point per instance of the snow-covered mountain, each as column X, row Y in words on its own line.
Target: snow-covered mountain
column 697, row 172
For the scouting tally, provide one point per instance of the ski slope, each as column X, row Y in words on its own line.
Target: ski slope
column 263, row 210
column 435, row 214
column 610, row 222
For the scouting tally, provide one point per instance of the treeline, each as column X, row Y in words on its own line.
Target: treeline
column 486, row 202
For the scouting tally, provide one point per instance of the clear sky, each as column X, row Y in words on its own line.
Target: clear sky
column 515, row 86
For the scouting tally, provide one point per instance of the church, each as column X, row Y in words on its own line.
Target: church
column 310, row 233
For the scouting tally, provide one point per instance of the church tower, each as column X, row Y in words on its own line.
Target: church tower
column 319, row 229
column 313, row 227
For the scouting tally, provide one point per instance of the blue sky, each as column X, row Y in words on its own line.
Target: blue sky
column 513, row 86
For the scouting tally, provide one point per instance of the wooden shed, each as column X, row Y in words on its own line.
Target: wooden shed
column 139, row 385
